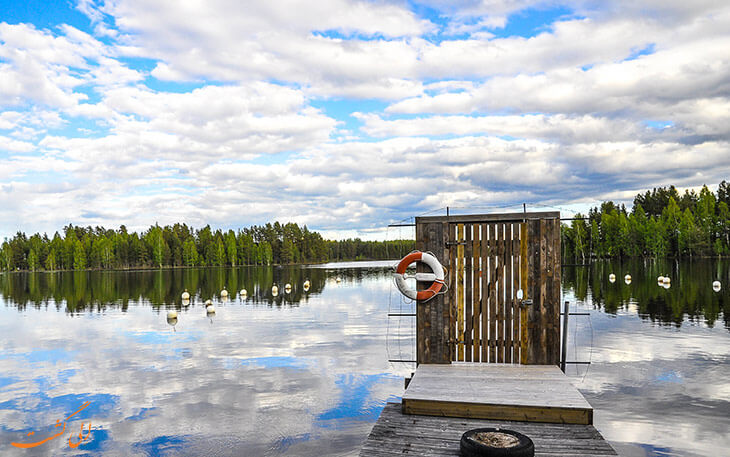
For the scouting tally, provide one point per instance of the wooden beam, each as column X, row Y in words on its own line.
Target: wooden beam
column 498, row 412
column 505, row 217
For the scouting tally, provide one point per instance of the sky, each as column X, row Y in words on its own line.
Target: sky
column 349, row 115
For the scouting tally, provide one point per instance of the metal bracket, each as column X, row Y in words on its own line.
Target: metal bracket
column 525, row 303
column 456, row 243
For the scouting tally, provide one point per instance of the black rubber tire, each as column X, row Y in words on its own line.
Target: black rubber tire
column 473, row 448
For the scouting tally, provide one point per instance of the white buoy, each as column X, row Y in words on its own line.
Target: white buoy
column 208, row 302
column 210, row 309
column 186, row 295
column 627, row 279
column 243, row 293
column 172, row 314
column 667, row 280
column 287, row 288
column 274, row 290
column 716, row 286
column 338, row 279
column 667, row 285
column 612, row 278
column 172, row 321
column 660, row 279
column 224, row 293
column 306, row 285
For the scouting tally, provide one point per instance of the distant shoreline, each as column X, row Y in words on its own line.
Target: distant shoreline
column 184, row 267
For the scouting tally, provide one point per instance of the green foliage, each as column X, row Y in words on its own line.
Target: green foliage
column 79, row 256
column 661, row 223
column 98, row 248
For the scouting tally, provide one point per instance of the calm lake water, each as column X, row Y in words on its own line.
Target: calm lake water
column 307, row 373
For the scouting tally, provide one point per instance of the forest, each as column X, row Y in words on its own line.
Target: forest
column 98, row 248
column 661, row 223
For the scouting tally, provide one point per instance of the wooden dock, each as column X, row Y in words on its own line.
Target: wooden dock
column 531, row 393
column 401, row 434
column 444, row 401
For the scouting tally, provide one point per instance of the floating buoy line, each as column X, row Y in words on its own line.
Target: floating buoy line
column 172, row 316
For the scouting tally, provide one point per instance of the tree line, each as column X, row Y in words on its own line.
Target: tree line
column 82, row 248
column 661, row 223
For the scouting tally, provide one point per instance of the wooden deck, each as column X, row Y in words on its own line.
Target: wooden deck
column 400, row 434
column 444, row 401
column 530, row 393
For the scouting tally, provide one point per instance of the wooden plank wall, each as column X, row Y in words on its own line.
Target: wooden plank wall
column 542, row 343
column 434, row 317
column 488, row 259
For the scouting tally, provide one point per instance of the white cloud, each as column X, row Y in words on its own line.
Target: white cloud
column 217, row 123
column 9, row 144
column 46, row 70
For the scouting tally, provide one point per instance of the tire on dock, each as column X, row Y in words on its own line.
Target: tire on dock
column 494, row 442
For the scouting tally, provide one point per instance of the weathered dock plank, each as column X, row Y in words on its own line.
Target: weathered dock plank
column 533, row 393
column 396, row 433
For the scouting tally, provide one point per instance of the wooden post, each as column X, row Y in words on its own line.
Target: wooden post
column 432, row 316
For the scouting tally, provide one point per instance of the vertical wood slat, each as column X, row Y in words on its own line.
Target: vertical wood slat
column 545, row 286
column 557, row 272
column 500, row 295
column 493, row 293
column 468, row 271
column 515, row 287
column 445, row 309
column 551, row 315
column 484, row 299
column 452, row 291
column 460, row 293
column 526, row 293
column 476, row 260
column 508, row 294
column 518, row 285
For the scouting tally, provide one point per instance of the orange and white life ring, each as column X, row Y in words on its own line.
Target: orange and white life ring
column 437, row 276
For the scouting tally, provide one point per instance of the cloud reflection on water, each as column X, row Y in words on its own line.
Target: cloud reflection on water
column 309, row 375
column 259, row 380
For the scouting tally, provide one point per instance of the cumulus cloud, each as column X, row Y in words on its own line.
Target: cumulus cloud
column 205, row 113
column 45, row 69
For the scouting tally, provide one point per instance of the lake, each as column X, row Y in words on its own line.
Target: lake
column 307, row 372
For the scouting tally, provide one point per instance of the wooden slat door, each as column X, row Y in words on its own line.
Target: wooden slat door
column 488, row 259
column 484, row 291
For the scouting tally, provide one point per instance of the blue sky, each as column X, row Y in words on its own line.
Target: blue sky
column 348, row 115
